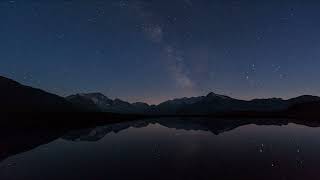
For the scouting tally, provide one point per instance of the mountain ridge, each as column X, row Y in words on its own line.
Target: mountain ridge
column 16, row 97
column 205, row 105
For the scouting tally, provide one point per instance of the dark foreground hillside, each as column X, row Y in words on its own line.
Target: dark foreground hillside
column 19, row 98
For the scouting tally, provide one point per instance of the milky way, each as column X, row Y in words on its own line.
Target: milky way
column 152, row 50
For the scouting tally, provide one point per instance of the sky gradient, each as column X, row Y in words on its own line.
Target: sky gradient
column 154, row 50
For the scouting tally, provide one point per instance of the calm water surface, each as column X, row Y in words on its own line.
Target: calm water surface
column 172, row 149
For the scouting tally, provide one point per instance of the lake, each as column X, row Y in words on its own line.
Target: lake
column 171, row 148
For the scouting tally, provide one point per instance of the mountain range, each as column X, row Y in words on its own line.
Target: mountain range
column 211, row 104
column 16, row 97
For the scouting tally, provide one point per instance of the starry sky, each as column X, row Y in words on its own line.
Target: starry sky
column 154, row 50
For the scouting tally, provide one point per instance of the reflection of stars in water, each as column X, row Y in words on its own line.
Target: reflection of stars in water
column 299, row 162
column 274, row 164
column 11, row 165
column 261, row 148
column 156, row 152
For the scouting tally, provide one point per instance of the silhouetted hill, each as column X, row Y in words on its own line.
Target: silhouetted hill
column 305, row 110
column 19, row 98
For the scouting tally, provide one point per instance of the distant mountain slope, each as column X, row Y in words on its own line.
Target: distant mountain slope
column 99, row 102
column 15, row 97
column 84, row 102
column 215, row 103
column 210, row 104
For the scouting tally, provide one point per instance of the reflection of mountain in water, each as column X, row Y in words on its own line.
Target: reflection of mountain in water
column 215, row 126
column 18, row 139
column 15, row 140
column 97, row 133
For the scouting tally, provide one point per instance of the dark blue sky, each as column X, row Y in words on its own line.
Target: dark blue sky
column 153, row 50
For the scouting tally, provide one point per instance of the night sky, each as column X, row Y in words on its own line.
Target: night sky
column 154, row 50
